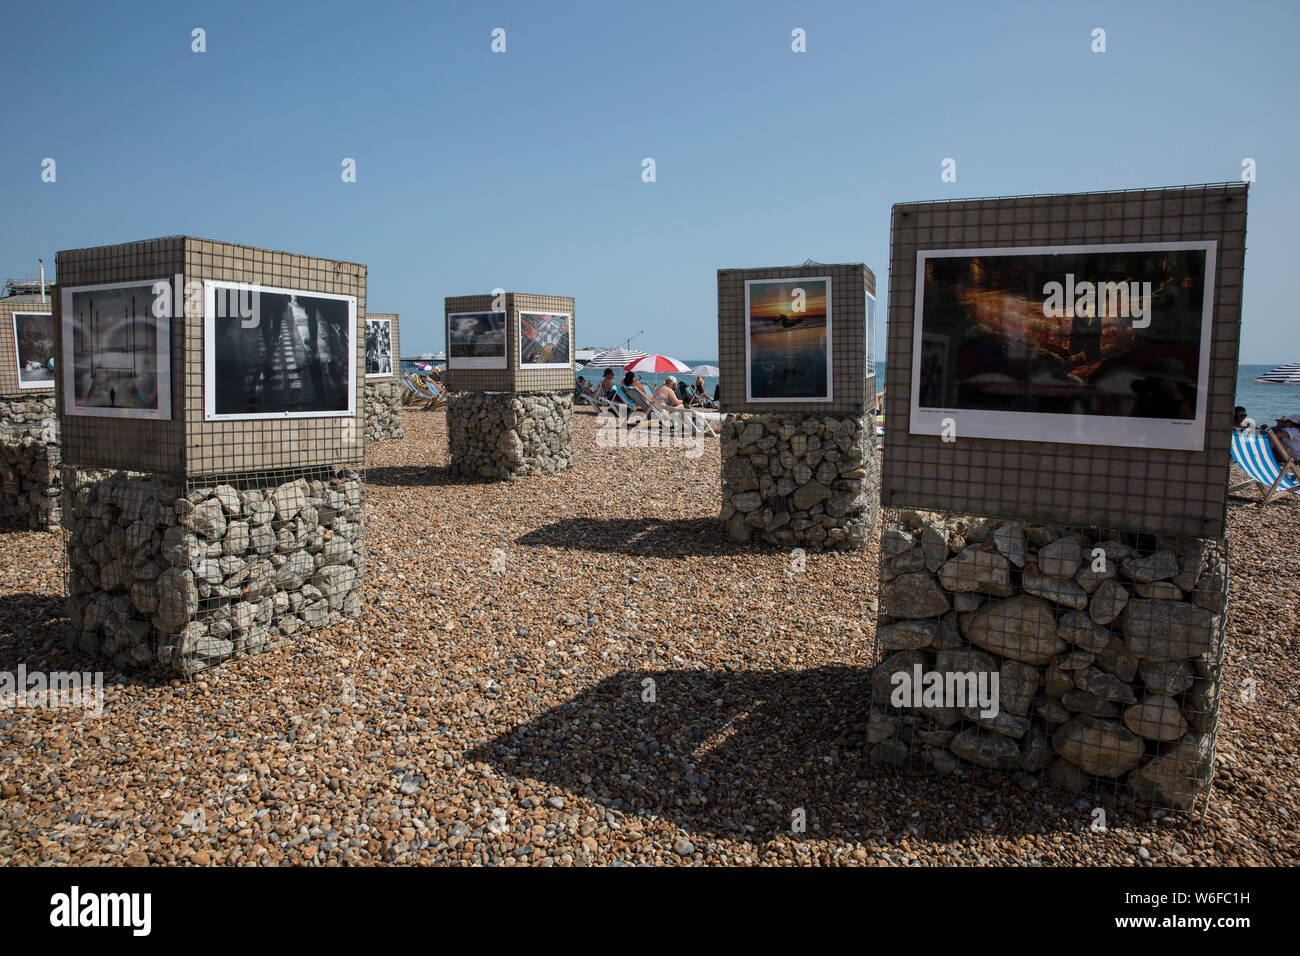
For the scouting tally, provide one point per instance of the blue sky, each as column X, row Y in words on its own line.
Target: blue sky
column 523, row 170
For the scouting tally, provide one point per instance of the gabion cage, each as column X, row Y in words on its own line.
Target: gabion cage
column 30, row 465
column 1086, row 658
column 175, row 575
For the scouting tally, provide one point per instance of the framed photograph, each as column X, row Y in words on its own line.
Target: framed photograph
column 476, row 340
column 871, row 335
column 1089, row 344
column 545, row 340
column 273, row 353
column 116, row 351
column 34, row 348
column 379, row 348
column 788, row 340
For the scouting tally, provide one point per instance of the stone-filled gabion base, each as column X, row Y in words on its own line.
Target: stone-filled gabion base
column 175, row 578
column 383, row 402
column 20, row 411
column 802, row 480
column 1107, row 648
column 30, row 464
column 506, row 435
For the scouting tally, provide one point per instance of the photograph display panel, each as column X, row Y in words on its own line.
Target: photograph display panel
column 277, row 353
column 116, row 350
column 1102, row 344
column 545, row 339
column 34, row 349
column 788, row 340
column 379, row 348
column 476, row 340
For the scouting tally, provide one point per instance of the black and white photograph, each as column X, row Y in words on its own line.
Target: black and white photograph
column 476, row 340
column 34, row 342
column 379, row 348
column 277, row 353
column 116, row 352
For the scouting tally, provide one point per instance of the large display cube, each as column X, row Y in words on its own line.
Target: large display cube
column 1062, row 373
column 797, row 377
column 383, row 391
column 29, row 431
column 211, row 401
column 510, row 358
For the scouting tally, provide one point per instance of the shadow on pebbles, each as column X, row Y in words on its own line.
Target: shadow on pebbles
column 577, row 669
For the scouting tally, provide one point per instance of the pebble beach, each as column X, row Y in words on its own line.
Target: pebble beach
column 581, row 669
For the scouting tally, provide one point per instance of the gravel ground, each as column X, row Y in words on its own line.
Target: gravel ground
column 495, row 704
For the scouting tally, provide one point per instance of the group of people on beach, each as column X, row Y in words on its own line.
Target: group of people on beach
column 1286, row 429
column 671, row 393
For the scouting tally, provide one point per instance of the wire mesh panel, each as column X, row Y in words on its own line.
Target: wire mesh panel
column 1129, row 483
column 1087, row 657
column 507, row 435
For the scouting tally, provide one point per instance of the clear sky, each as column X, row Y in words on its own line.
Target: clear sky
column 523, row 169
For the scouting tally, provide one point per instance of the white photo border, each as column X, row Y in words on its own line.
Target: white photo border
column 18, row 358
column 210, row 287
column 1061, row 428
column 393, row 361
column 481, row 361
column 67, row 322
column 830, row 358
column 530, row 366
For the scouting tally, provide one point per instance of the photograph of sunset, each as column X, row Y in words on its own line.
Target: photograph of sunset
column 788, row 326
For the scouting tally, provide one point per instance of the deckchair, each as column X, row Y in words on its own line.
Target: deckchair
column 636, row 402
column 1253, row 451
column 698, row 420
column 598, row 402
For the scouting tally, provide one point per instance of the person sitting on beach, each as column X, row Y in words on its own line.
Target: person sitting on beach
column 666, row 394
column 584, row 388
column 1287, row 431
column 701, row 397
column 606, row 387
column 631, row 381
column 1239, row 416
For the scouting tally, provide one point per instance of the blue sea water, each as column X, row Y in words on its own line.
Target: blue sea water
column 1265, row 403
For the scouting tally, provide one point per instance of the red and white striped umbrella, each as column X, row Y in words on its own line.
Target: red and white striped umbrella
column 656, row 365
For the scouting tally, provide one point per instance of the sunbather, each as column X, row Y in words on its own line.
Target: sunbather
column 701, row 397
column 1287, row 431
column 606, row 387
column 666, row 394
column 630, row 380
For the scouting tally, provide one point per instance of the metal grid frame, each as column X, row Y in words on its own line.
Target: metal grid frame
column 1168, row 491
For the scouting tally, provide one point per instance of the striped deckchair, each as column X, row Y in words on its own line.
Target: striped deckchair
column 1253, row 451
column 700, row 421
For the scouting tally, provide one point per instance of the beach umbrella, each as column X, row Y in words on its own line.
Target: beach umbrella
column 708, row 371
column 613, row 358
column 1282, row 375
column 656, row 365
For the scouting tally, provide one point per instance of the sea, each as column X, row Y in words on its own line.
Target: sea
column 1264, row 403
